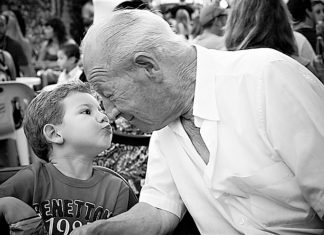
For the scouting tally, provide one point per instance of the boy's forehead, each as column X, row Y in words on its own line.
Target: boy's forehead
column 76, row 99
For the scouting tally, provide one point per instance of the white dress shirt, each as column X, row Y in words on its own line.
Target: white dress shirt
column 260, row 114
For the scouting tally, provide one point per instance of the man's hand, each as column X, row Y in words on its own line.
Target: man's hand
column 86, row 229
column 15, row 210
column 142, row 219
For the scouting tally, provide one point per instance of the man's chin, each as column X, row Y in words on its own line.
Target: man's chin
column 147, row 128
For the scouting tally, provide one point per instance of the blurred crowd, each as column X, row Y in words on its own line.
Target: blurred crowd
column 34, row 46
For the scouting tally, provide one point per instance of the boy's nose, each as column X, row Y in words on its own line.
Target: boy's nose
column 103, row 117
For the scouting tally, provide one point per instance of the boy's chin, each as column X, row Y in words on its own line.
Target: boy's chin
column 105, row 147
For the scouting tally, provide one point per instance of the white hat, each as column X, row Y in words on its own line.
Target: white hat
column 103, row 9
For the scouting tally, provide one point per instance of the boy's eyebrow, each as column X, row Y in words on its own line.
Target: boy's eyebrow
column 88, row 105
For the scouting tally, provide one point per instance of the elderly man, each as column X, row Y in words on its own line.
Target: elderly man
column 239, row 136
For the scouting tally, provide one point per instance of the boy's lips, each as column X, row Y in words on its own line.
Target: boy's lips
column 128, row 117
column 108, row 129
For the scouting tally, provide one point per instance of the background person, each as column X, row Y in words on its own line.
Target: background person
column 246, row 28
column 212, row 18
column 182, row 23
column 14, row 48
column 303, row 19
column 68, row 58
column 230, row 130
column 14, row 31
column 55, row 36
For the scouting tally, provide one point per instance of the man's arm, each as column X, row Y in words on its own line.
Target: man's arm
column 141, row 219
column 13, row 210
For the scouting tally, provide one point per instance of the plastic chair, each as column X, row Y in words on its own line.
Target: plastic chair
column 14, row 99
column 132, row 196
column 35, row 83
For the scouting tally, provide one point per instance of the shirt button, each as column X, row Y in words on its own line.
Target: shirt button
column 242, row 221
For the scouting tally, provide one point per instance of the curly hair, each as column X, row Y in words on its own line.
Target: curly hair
column 58, row 28
column 47, row 108
column 256, row 24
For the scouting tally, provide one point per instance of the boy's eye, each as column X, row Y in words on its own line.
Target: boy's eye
column 86, row 111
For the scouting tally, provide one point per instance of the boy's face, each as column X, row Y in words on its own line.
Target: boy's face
column 63, row 61
column 85, row 127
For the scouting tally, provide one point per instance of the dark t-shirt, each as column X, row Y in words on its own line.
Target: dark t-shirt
column 17, row 53
column 310, row 34
column 66, row 203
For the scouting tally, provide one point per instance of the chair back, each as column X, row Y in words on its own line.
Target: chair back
column 14, row 99
column 132, row 196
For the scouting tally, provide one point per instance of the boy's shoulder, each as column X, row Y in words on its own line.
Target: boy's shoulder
column 28, row 170
column 108, row 173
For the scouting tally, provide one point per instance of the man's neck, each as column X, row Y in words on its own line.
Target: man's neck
column 189, row 84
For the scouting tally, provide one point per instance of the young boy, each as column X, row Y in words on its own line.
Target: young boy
column 66, row 128
column 68, row 57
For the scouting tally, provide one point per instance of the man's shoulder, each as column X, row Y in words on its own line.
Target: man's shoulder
column 237, row 63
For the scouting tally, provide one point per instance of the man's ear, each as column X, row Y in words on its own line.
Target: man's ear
column 52, row 135
column 147, row 62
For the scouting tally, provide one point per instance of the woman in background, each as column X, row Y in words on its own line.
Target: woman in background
column 14, row 31
column 183, row 26
column 56, row 36
column 246, row 28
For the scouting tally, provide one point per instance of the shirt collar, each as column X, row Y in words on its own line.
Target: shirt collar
column 74, row 72
column 205, row 106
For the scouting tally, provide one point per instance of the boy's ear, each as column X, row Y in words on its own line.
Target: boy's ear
column 147, row 61
column 52, row 135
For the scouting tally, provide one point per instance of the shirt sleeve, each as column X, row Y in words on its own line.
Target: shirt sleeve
column 159, row 189
column 122, row 199
column 294, row 108
column 20, row 186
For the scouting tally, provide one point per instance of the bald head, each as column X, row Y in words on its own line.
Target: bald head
column 110, row 43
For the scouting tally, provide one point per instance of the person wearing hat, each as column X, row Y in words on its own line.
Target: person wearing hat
column 212, row 19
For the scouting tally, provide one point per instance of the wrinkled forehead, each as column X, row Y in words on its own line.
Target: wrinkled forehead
column 93, row 56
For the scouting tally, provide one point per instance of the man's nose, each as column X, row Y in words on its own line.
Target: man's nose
column 110, row 109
